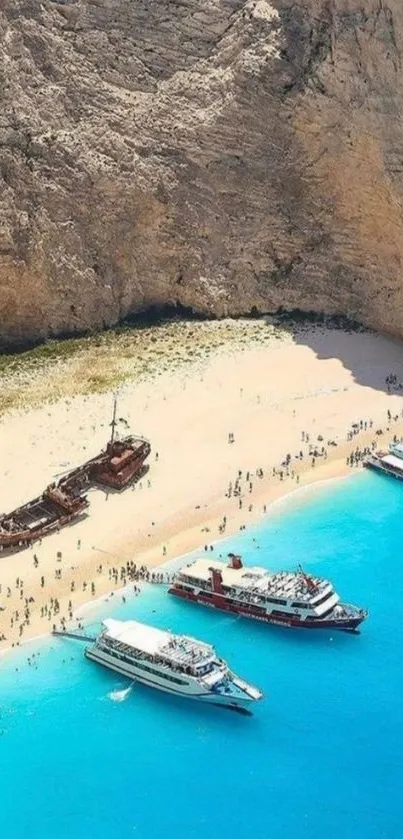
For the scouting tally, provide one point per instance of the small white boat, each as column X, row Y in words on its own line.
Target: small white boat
column 176, row 664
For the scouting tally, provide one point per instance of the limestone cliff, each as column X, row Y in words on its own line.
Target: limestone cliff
column 224, row 154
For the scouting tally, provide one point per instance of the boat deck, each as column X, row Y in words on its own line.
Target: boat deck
column 183, row 650
column 39, row 513
column 178, row 649
column 255, row 580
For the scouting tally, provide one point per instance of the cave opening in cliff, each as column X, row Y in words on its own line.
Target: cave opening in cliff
column 159, row 313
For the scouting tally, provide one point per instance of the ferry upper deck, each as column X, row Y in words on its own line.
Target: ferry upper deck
column 282, row 584
column 181, row 650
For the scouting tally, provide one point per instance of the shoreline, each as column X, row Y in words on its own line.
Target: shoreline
column 235, row 435
column 175, row 562
column 280, row 495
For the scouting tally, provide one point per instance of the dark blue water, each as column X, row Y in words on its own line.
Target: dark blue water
column 322, row 755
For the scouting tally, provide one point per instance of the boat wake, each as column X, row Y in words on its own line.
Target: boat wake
column 120, row 695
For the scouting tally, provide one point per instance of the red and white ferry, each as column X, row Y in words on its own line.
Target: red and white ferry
column 283, row 598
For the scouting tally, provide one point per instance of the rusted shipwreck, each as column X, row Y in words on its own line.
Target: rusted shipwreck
column 120, row 464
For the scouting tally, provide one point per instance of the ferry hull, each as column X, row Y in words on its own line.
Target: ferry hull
column 239, row 704
column 348, row 624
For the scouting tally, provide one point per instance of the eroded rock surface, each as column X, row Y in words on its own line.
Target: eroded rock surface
column 226, row 155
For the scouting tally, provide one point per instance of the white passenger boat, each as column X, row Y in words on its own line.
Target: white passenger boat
column 176, row 664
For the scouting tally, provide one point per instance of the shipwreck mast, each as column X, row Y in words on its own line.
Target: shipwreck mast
column 114, row 422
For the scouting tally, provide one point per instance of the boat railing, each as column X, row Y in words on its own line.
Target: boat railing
column 350, row 610
column 188, row 656
column 193, row 581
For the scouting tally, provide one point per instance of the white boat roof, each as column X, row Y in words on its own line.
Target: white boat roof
column 149, row 639
column 392, row 460
column 180, row 649
column 245, row 576
column 257, row 580
column 396, row 447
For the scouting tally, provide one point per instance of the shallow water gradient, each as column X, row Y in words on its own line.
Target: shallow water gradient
column 320, row 757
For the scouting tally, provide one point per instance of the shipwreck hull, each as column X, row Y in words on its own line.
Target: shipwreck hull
column 50, row 511
column 65, row 502
column 21, row 539
column 120, row 470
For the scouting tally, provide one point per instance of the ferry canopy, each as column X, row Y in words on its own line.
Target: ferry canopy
column 247, row 576
column 391, row 460
column 149, row 639
column 258, row 581
column 152, row 641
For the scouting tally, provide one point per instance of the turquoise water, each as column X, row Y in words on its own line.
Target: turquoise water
column 320, row 757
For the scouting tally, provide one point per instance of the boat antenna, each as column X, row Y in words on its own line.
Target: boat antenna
column 113, row 423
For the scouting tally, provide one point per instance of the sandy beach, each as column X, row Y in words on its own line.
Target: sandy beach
column 293, row 394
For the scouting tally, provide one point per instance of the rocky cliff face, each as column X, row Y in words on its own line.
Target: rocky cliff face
column 228, row 155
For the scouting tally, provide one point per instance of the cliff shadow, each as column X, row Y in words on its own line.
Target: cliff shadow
column 374, row 360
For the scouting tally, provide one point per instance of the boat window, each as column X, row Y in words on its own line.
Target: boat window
column 324, row 615
column 278, row 613
column 277, row 600
column 297, row 605
column 162, row 675
column 322, row 599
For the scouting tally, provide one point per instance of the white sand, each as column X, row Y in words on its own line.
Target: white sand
column 266, row 397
